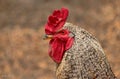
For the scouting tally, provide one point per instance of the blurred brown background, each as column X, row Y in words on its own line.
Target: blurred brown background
column 23, row 53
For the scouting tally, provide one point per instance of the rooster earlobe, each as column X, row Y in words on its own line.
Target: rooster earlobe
column 69, row 43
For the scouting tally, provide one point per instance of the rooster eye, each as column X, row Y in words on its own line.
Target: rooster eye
column 62, row 32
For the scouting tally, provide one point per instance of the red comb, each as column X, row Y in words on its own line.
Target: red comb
column 56, row 21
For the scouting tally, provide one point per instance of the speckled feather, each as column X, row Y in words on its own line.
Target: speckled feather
column 85, row 59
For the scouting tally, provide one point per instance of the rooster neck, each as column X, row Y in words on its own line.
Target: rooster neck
column 85, row 59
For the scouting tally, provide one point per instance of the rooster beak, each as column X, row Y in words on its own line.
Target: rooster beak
column 46, row 37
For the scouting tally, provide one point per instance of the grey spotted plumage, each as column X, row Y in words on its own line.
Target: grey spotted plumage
column 85, row 59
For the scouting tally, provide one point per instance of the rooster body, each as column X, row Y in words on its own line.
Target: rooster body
column 85, row 59
column 77, row 53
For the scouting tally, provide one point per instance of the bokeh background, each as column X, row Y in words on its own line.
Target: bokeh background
column 23, row 53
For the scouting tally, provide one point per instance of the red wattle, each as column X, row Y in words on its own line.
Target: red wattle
column 57, row 49
column 59, row 44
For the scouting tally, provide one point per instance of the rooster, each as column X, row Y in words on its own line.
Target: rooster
column 76, row 52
